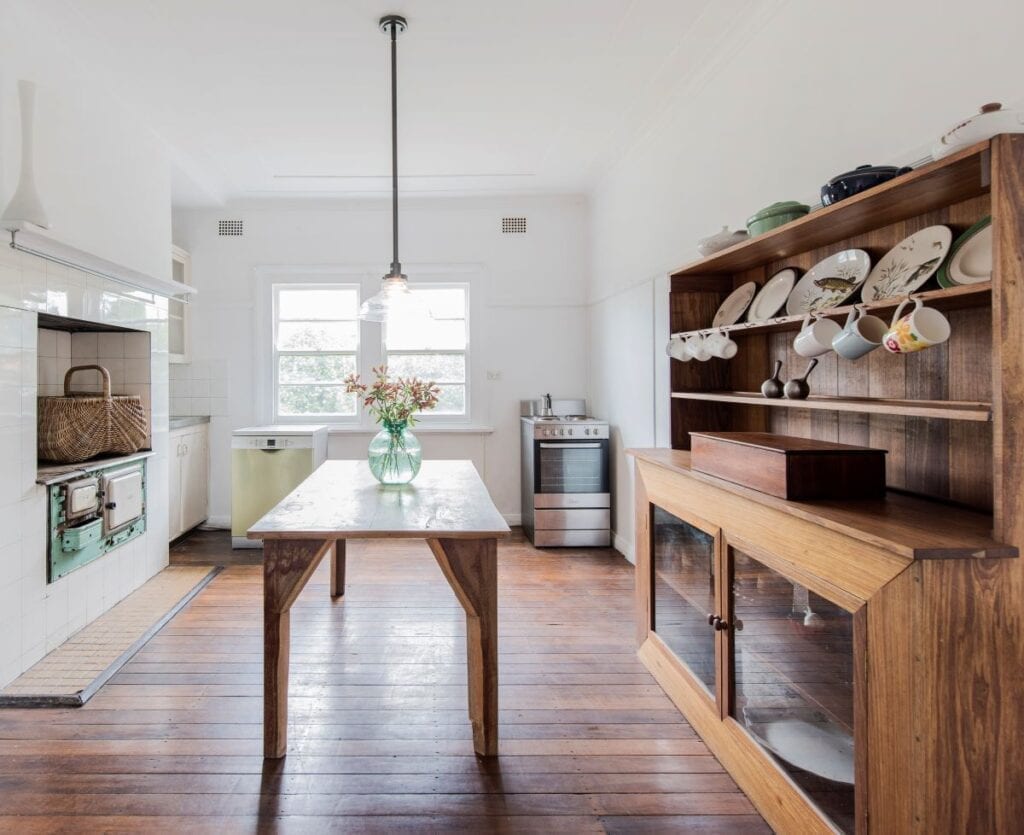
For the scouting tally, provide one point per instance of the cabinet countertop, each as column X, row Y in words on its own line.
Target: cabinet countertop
column 184, row 421
column 912, row 527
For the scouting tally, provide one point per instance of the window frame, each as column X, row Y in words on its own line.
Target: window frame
column 431, row 417
column 472, row 278
column 276, row 353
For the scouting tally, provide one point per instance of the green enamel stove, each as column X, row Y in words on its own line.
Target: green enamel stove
column 94, row 509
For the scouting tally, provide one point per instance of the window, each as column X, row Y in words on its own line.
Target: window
column 316, row 343
column 434, row 349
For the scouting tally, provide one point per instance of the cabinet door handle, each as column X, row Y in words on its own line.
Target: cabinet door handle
column 717, row 622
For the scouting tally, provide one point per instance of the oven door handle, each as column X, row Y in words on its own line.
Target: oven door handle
column 571, row 445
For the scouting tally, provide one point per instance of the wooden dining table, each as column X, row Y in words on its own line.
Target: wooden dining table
column 447, row 505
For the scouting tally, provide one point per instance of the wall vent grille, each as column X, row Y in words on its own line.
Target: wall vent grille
column 232, row 228
column 513, row 226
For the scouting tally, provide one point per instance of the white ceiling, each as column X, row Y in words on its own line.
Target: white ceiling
column 287, row 98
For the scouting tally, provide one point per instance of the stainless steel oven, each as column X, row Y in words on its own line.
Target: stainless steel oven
column 566, row 491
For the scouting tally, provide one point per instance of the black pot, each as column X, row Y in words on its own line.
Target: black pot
column 860, row 179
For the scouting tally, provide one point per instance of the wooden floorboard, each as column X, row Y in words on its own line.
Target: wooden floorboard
column 379, row 739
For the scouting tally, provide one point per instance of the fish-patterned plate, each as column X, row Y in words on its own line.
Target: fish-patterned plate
column 908, row 265
column 829, row 283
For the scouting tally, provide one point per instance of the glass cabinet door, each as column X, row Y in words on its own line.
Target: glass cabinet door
column 683, row 586
column 792, row 681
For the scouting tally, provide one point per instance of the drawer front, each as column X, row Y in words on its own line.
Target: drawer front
column 579, row 519
column 77, row 538
column 572, row 539
column 553, row 500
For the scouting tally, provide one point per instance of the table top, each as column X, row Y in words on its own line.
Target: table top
column 342, row 500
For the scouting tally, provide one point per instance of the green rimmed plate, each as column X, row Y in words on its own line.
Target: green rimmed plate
column 970, row 259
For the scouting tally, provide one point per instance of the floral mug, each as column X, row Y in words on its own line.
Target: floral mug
column 922, row 328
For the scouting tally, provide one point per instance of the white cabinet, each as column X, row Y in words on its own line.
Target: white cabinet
column 189, row 478
column 178, row 337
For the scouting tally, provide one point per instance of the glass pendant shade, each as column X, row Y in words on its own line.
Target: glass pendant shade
column 394, row 299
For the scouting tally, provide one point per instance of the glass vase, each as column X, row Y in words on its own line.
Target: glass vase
column 395, row 455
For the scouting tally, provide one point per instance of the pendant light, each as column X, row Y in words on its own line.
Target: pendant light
column 395, row 298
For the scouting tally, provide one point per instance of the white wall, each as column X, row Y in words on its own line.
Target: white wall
column 105, row 183
column 816, row 89
column 528, row 320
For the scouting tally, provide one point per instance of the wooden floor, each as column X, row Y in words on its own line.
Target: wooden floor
column 379, row 739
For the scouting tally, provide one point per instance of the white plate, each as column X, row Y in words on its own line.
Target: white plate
column 772, row 296
column 829, row 283
column 821, row 748
column 907, row 265
column 972, row 262
column 732, row 308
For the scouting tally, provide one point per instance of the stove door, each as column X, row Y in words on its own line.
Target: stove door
column 122, row 498
column 81, row 497
column 571, row 467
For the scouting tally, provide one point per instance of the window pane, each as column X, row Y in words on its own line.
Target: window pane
column 314, row 400
column 449, row 303
column 437, row 368
column 451, row 402
column 426, row 334
column 314, row 368
column 328, row 303
column 313, row 336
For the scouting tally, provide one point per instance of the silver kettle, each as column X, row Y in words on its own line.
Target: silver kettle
column 545, row 410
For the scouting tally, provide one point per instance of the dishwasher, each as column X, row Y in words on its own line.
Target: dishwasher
column 267, row 463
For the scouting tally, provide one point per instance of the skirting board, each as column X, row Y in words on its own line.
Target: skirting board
column 625, row 547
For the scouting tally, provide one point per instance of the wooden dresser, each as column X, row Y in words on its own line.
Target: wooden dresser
column 858, row 666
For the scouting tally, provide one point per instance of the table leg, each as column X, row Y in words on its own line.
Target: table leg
column 338, row 569
column 287, row 566
column 471, row 568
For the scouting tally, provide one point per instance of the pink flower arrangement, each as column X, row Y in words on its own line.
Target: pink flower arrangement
column 394, row 402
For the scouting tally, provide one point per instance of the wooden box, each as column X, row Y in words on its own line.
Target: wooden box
column 790, row 468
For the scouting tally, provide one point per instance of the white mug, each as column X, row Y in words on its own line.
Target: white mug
column 922, row 328
column 676, row 348
column 696, row 347
column 815, row 338
column 860, row 335
column 720, row 345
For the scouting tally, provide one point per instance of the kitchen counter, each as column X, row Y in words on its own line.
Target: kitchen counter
column 184, row 421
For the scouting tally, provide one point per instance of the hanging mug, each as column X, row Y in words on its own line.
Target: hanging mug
column 860, row 335
column 922, row 328
column 815, row 338
column 676, row 349
column 696, row 347
column 720, row 345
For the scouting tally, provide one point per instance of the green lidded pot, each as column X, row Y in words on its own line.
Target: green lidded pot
column 775, row 215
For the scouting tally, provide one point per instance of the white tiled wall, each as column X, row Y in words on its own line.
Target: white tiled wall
column 36, row 617
column 200, row 388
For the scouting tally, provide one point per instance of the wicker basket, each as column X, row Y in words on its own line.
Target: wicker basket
column 77, row 426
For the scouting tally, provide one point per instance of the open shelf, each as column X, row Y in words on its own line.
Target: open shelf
column 944, row 409
column 912, row 527
column 953, row 298
column 958, row 177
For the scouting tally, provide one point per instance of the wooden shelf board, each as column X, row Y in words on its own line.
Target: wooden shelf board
column 945, row 409
column 953, row 298
column 910, row 526
column 958, row 177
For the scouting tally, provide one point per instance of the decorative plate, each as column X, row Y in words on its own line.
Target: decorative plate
column 829, row 283
column 772, row 296
column 734, row 306
column 970, row 259
column 908, row 265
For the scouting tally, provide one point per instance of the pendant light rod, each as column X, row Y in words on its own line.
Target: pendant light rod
column 393, row 24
